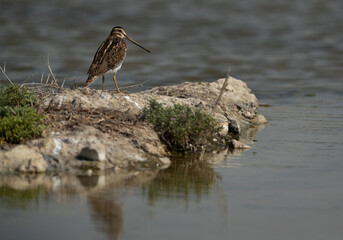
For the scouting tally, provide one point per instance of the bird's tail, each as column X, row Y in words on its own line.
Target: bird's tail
column 90, row 79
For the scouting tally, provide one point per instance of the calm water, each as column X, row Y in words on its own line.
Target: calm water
column 288, row 186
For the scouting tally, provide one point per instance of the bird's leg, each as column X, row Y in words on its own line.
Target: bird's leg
column 115, row 82
column 103, row 83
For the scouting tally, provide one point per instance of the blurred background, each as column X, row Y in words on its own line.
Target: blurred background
column 277, row 46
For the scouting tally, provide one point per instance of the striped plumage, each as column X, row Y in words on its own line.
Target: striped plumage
column 110, row 56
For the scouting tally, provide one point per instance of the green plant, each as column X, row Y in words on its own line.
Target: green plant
column 14, row 96
column 19, row 121
column 182, row 128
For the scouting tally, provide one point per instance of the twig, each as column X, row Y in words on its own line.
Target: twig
column 39, row 90
column 135, row 85
column 13, row 111
column 64, row 80
column 41, row 79
column 221, row 91
column 47, row 79
column 3, row 70
column 45, row 87
column 27, row 79
column 39, row 84
column 50, row 70
column 215, row 105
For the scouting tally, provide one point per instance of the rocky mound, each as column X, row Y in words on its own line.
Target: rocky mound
column 90, row 129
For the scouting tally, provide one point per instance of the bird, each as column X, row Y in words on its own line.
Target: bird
column 110, row 56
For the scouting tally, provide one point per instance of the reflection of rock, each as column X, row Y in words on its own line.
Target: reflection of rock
column 24, row 182
column 221, row 156
column 20, row 191
column 90, row 182
column 188, row 180
column 237, row 144
column 104, row 127
column 80, row 185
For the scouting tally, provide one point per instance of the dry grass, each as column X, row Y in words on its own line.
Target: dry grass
column 45, row 87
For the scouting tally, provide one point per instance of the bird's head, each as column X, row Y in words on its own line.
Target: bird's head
column 119, row 32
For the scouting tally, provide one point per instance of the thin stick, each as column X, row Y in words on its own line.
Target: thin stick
column 64, row 80
column 50, row 70
column 221, row 91
column 27, row 79
column 41, row 79
column 135, row 85
column 47, row 79
column 39, row 84
column 217, row 102
column 3, row 70
column 13, row 111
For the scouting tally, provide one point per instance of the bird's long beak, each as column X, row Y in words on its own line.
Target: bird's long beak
column 133, row 41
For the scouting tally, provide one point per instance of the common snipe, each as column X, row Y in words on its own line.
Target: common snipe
column 110, row 56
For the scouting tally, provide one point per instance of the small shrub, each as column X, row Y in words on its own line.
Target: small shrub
column 182, row 128
column 18, row 119
column 14, row 96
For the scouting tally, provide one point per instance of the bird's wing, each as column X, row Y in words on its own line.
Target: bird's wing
column 101, row 53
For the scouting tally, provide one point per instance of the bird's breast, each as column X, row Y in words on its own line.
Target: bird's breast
column 115, row 69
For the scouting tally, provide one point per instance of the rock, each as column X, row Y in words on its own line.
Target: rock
column 237, row 144
column 224, row 129
column 104, row 150
column 95, row 151
column 233, row 127
column 23, row 159
column 165, row 161
column 57, row 146
column 104, row 127
column 261, row 119
column 237, row 104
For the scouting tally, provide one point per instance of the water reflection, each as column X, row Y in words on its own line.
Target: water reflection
column 21, row 192
column 189, row 179
column 107, row 215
